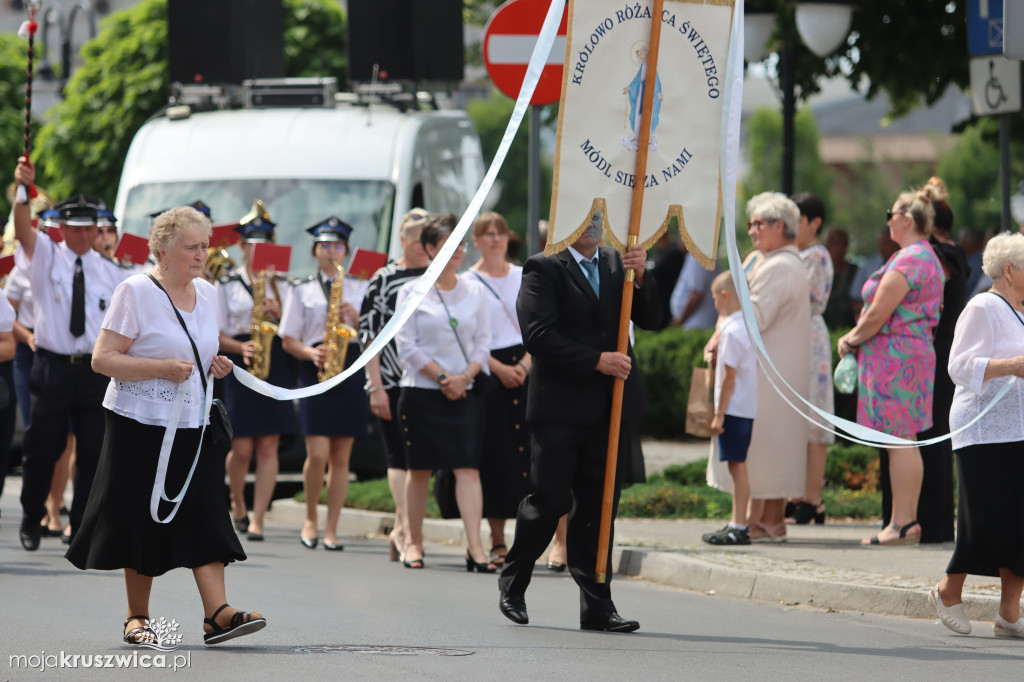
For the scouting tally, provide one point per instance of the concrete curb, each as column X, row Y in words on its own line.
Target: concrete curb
column 687, row 570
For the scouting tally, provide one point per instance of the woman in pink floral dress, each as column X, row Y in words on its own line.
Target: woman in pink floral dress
column 818, row 264
column 896, row 362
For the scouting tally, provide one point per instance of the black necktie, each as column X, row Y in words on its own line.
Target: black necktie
column 78, row 301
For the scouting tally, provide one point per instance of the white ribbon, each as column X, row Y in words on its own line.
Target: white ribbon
column 165, row 455
column 424, row 283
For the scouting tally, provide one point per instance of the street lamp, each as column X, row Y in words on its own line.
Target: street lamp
column 822, row 27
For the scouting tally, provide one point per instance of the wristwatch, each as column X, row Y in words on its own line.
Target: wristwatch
column 441, row 376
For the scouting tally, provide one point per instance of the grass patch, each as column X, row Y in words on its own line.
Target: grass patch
column 373, row 495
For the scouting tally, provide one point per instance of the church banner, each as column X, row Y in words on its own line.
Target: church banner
column 599, row 122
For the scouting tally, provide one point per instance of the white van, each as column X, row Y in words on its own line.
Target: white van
column 366, row 163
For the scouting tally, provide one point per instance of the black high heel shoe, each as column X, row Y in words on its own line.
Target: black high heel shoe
column 482, row 567
column 805, row 512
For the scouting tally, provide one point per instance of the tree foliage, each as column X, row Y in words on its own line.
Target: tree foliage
column 910, row 49
column 13, row 55
column 123, row 81
column 491, row 116
column 970, row 170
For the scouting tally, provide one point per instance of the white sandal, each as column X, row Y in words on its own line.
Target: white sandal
column 953, row 617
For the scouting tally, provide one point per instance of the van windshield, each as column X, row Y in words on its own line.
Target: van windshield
column 293, row 205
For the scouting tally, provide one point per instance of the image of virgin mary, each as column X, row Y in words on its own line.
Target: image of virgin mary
column 635, row 94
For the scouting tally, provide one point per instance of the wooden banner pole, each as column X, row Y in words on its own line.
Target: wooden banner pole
column 636, row 209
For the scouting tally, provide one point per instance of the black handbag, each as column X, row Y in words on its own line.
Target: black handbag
column 218, row 434
column 444, row 494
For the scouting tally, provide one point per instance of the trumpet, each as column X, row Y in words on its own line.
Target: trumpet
column 337, row 334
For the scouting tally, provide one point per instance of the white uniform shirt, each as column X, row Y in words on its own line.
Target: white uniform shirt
column 305, row 311
column 143, row 313
column 428, row 335
column 501, row 302
column 694, row 278
column 735, row 350
column 235, row 302
column 19, row 290
column 51, row 272
column 987, row 328
column 7, row 315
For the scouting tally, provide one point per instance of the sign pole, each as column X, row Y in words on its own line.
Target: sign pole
column 636, row 209
column 1004, row 169
column 533, row 179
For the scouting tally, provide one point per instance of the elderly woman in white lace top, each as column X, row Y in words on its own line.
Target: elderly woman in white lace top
column 987, row 353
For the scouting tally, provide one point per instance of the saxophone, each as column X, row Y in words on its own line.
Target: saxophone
column 262, row 332
column 336, row 333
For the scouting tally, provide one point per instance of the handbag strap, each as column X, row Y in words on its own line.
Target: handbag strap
column 1008, row 305
column 159, row 484
column 504, row 306
column 195, row 351
column 454, row 330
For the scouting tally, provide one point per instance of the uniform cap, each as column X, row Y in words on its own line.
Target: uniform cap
column 332, row 229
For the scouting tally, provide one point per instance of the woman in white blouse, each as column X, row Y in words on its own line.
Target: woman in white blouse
column 146, row 352
column 988, row 349
column 442, row 348
column 505, row 446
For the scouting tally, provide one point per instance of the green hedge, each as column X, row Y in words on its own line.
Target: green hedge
column 666, row 359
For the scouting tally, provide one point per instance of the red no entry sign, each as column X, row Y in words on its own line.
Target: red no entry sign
column 509, row 39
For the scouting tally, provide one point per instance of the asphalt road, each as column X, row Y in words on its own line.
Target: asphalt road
column 355, row 615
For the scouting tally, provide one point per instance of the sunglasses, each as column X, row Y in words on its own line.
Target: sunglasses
column 890, row 213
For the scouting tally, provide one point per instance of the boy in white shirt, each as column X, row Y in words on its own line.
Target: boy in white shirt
column 735, row 406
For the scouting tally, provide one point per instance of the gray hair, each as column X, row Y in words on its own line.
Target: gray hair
column 169, row 225
column 1003, row 249
column 776, row 206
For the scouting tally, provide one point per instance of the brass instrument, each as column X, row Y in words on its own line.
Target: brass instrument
column 218, row 263
column 262, row 331
column 336, row 334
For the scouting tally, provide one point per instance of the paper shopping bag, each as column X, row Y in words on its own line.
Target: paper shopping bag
column 700, row 408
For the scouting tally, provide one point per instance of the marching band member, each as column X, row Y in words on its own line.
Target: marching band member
column 332, row 421
column 258, row 421
column 72, row 286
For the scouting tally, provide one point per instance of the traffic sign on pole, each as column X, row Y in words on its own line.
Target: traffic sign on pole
column 984, row 27
column 509, row 38
column 995, row 85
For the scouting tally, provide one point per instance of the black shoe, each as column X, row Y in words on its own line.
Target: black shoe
column 484, row 567
column 514, row 608
column 556, row 567
column 253, row 536
column 333, row 546
column 728, row 536
column 66, row 538
column 308, row 543
column 29, row 534
column 611, row 622
column 241, row 525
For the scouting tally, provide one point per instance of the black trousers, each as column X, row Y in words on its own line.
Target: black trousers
column 61, row 391
column 8, row 414
column 567, row 476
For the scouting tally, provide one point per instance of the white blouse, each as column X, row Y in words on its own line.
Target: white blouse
column 143, row 313
column 987, row 328
column 19, row 289
column 305, row 310
column 428, row 335
column 501, row 301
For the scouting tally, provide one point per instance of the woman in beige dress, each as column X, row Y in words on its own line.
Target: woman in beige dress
column 777, row 459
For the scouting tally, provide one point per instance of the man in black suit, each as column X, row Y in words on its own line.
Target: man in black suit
column 569, row 306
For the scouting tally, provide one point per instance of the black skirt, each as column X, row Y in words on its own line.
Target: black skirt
column 253, row 414
column 989, row 524
column 117, row 530
column 505, row 447
column 341, row 412
column 439, row 433
column 391, row 432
